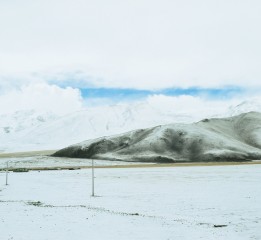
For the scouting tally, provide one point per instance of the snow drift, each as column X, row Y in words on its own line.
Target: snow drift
column 219, row 139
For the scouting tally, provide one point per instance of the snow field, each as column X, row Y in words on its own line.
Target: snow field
column 138, row 203
column 55, row 162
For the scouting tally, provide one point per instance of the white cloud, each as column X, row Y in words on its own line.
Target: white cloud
column 136, row 44
column 41, row 97
column 44, row 97
column 128, row 44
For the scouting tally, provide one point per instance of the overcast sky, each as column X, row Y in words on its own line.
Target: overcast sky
column 133, row 44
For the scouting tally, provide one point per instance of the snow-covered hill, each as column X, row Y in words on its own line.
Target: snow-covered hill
column 14, row 127
column 29, row 130
column 34, row 130
column 253, row 104
column 226, row 139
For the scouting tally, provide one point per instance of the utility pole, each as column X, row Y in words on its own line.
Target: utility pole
column 6, row 174
column 92, row 178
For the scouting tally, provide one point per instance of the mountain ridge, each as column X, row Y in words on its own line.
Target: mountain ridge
column 33, row 130
column 235, row 138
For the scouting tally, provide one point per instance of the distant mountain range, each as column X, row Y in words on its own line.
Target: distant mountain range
column 34, row 130
column 235, row 138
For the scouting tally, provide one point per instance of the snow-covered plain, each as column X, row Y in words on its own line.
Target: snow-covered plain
column 133, row 203
column 55, row 162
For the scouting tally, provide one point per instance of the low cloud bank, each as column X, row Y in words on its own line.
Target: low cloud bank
column 41, row 97
column 44, row 97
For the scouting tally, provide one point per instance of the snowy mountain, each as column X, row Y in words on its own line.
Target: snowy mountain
column 227, row 139
column 245, row 106
column 34, row 130
column 30, row 130
column 14, row 127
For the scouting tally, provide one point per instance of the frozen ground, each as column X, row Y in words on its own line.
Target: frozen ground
column 54, row 162
column 134, row 203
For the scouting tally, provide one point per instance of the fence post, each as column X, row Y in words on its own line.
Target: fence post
column 6, row 174
column 92, row 178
